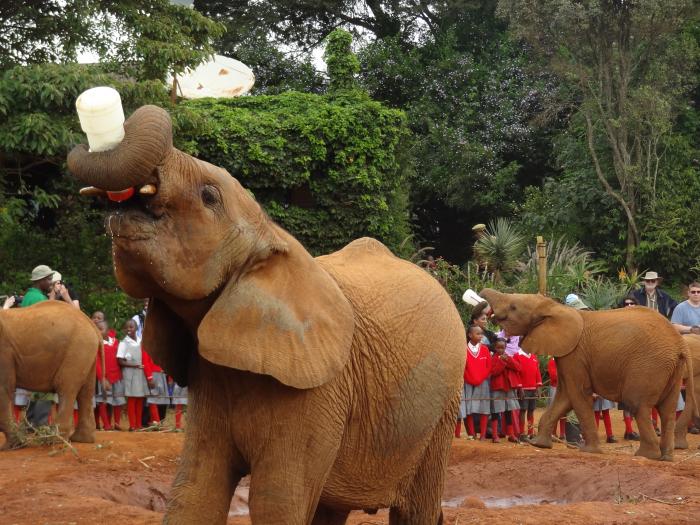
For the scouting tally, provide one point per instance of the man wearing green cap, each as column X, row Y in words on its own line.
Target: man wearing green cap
column 41, row 285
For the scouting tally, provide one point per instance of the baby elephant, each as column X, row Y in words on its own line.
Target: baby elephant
column 633, row 355
column 49, row 347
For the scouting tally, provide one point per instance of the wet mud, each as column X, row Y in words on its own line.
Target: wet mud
column 125, row 478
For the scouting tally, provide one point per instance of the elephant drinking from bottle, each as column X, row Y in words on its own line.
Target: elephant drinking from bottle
column 334, row 381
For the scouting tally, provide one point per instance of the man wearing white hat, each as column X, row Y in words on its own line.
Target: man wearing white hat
column 653, row 297
column 41, row 285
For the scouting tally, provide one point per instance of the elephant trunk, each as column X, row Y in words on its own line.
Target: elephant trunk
column 493, row 297
column 148, row 139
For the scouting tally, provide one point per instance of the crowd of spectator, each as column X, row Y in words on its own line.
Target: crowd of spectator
column 503, row 383
column 126, row 376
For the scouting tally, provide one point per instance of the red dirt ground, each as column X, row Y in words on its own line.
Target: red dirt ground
column 125, row 477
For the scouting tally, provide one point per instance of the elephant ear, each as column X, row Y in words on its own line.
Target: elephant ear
column 286, row 318
column 167, row 341
column 556, row 332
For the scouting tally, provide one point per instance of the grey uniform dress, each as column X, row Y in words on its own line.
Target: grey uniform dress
column 135, row 384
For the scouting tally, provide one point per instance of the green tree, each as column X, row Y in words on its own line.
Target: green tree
column 627, row 62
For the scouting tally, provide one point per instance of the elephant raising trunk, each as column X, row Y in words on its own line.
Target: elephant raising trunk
column 148, row 139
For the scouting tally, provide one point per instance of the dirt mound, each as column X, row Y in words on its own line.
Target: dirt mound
column 125, row 478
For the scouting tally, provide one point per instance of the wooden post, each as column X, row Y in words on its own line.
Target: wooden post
column 542, row 265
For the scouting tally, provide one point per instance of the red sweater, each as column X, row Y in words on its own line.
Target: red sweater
column 113, row 371
column 552, row 369
column 530, row 376
column 149, row 367
column 504, row 373
column 478, row 367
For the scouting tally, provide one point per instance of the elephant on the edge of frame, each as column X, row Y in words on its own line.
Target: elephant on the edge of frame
column 693, row 342
column 49, row 347
column 334, row 381
column 633, row 355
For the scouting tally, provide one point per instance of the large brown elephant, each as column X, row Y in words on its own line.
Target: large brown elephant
column 633, row 355
column 333, row 381
column 693, row 342
column 49, row 347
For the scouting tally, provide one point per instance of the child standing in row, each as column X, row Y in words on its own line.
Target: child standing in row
column 135, row 385
column 114, row 396
column 158, row 385
column 476, row 391
column 531, row 379
column 180, row 401
column 505, row 379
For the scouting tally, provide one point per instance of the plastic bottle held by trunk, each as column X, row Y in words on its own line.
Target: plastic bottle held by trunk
column 101, row 117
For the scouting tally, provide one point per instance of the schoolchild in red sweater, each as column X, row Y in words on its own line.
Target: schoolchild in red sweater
column 114, row 394
column 531, row 379
column 505, row 379
column 553, row 382
column 158, row 385
column 476, row 393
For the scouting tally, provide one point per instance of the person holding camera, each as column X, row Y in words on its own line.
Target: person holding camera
column 62, row 292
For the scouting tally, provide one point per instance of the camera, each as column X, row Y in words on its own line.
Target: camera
column 18, row 300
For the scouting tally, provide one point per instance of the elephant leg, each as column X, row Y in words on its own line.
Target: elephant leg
column 85, row 432
column 421, row 503
column 559, row 407
column 328, row 516
column 680, row 439
column 667, row 413
column 7, row 425
column 64, row 416
column 287, row 479
column 584, row 410
column 648, row 442
column 205, row 481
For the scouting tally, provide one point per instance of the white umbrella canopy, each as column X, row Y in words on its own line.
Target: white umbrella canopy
column 220, row 77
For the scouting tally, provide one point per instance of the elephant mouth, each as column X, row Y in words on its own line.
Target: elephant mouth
column 132, row 220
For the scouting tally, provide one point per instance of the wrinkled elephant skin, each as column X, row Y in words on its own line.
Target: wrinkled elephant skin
column 333, row 381
column 49, row 347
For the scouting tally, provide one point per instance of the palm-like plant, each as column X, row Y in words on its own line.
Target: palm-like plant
column 602, row 293
column 569, row 267
column 500, row 247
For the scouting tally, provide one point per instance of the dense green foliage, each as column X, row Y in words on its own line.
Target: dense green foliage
column 515, row 116
column 329, row 169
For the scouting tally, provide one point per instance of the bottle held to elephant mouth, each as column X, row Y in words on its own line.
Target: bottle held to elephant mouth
column 101, row 117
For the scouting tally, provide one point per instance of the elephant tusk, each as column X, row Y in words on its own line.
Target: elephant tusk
column 91, row 191
column 148, row 189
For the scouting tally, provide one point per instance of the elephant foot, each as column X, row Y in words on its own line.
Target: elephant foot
column 541, row 441
column 83, row 436
column 591, row 449
column 648, row 452
column 12, row 442
column 668, row 456
column 681, row 442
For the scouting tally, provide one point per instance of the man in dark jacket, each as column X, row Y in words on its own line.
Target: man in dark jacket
column 653, row 297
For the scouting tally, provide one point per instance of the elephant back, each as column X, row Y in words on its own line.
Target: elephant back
column 404, row 318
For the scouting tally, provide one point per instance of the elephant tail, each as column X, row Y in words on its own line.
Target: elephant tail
column 690, row 401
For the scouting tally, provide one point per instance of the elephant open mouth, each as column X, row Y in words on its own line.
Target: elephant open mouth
column 132, row 220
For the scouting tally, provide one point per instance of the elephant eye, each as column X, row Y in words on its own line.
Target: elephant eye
column 210, row 195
